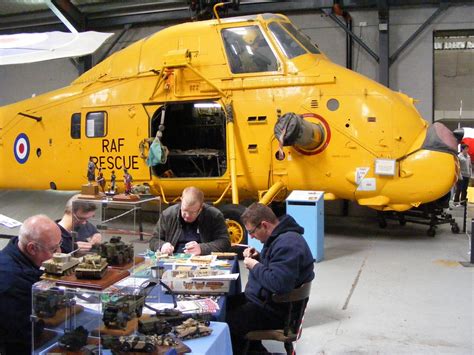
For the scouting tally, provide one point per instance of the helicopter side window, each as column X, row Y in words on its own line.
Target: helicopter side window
column 248, row 51
column 301, row 37
column 76, row 126
column 287, row 44
column 96, row 124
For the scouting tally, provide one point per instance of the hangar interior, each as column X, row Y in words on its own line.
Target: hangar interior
column 392, row 290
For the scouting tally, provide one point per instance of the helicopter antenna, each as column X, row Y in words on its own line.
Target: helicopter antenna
column 220, row 4
column 460, row 114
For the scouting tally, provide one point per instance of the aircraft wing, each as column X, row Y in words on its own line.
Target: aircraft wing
column 36, row 47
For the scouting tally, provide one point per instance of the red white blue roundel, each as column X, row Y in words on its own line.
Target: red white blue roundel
column 21, row 148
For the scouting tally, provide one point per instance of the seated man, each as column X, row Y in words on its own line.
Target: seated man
column 284, row 264
column 20, row 260
column 191, row 227
column 75, row 218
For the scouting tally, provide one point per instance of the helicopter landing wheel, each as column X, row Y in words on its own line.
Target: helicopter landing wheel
column 431, row 232
column 455, row 228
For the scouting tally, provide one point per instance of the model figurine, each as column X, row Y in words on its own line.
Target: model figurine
column 90, row 171
column 113, row 177
column 127, row 180
column 101, row 180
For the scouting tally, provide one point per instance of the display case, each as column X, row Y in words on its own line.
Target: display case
column 79, row 320
column 79, row 299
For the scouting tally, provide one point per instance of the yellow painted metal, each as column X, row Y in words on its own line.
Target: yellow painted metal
column 363, row 121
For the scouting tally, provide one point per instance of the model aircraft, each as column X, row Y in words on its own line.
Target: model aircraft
column 245, row 108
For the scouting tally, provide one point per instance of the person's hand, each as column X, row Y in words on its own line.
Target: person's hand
column 96, row 239
column 167, row 248
column 250, row 253
column 250, row 263
column 192, row 248
column 84, row 246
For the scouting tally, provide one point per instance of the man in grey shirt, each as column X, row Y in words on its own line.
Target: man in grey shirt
column 466, row 170
column 191, row 227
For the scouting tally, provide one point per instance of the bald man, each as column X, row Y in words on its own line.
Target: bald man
column 20, row 260
column 191, row 227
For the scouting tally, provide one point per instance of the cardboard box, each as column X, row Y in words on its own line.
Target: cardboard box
column 184, row 282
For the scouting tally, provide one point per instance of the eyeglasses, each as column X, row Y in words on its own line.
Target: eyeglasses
column 51, row 250
column 254, row 229
column 191, row 213
column 81, row 219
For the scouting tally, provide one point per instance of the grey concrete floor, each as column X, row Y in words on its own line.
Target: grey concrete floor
column 378, row 291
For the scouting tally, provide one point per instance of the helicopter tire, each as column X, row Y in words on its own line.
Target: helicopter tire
column 431, row 232
column 455, row 228
column 235, row 226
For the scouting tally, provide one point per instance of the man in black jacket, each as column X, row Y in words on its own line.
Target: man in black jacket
column 284, row 264
column 38, row 239
column 191, row 227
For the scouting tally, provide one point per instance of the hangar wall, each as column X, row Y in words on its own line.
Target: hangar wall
column 412, row 73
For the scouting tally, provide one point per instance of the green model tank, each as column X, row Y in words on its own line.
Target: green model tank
column 117, row 252
column 60, row 264
column 134, row 343
column 92, row 267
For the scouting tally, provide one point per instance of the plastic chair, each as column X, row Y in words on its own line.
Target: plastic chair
column 297, row 299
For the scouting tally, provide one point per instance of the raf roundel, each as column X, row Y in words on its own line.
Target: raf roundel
column 21, row 148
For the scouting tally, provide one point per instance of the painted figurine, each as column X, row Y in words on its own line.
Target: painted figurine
column 101, row 180
column 112, row 181
column 90, row 171
column 127, row 180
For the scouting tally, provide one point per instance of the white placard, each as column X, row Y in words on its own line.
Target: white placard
column 367, row 184
column 304, row 195
column 360, row 173
column 385, row 167
column 9, row 222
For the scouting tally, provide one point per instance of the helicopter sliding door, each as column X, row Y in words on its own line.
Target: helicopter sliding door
column 193, row 137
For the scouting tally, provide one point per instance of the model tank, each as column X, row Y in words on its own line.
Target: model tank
column 118, row 313
column 46, row 303
column 92, row 267
column 135, row 343
column 191, row 328
column 60, row 264
column 117, row 252
column 74, row 340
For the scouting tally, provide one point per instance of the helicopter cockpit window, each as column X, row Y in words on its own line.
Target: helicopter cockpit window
column 301, row 37
column 248, row 51
column 76, row 126
column 287, row 44
column 96, row 124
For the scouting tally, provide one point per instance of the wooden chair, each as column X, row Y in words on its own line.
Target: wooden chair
column 297, row 299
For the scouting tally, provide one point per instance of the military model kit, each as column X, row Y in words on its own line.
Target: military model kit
column 116, row 251
column 164, row 321
column 92, row 267
column 74, row 340
column 141, row 343
column 117, row 313
column 192, row 328
column 47, row 302
column 60, row 264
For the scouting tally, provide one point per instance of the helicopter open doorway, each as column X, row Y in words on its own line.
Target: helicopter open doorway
column 194, row 134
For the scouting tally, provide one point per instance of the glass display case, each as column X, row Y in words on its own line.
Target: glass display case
column 80, row 298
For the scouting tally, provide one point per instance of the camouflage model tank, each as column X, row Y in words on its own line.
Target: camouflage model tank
column 191, row 328
column 46, row 303
column 135, row 343
column 116, row 252
column 60, row 264
column 118, row 313
column 74, row 340
column 92, row 267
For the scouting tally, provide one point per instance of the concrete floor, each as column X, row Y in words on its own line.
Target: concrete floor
column 388, row 291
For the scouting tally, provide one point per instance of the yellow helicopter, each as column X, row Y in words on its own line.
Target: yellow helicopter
column 245, row 108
